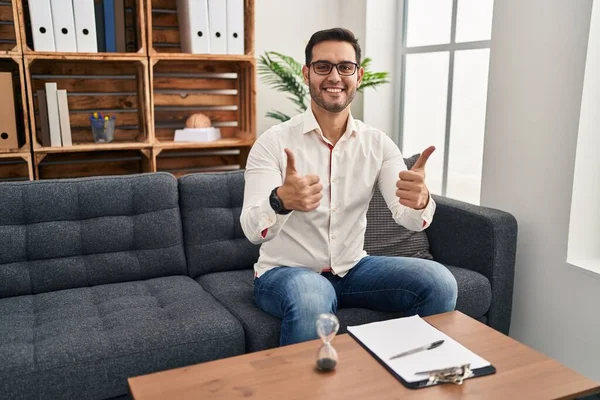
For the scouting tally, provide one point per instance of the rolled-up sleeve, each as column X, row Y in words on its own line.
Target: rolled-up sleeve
column 263, row 174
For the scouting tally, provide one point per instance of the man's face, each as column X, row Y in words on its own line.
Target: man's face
column 333, row 91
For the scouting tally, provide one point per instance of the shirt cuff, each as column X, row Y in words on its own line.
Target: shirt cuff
column 424, row 216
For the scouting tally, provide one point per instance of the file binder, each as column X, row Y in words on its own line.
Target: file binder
column 40, row 16
column 109, row 26
column 53, row 118
column 63, row 113
column 8, row 120
column 43, row 109
column 235, row 26
column 85, row 26
column 448, row 363
column 64, row 25
column 194, row 29
column 217, row 20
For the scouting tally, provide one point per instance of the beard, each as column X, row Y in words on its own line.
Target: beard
column 318, row 96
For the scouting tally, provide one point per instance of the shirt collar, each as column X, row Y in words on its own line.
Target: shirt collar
column 309, row 123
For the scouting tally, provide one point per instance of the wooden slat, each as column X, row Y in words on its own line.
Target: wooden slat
column 163, row 82
column 102, row 102
column 165, row 36
column 13, row 168
column 194, row 99
column 7, row 32
column 164, row 4
column 90, row 169
column 167, row 134
column 195, row 66
column 6, row 13
column 182, row 115
column 165, row 20
column 122, row 118
column 7, row 46
column 170, row 49
column 181, row 161
column 90, row 85
column 70, row 67
column 82, row 135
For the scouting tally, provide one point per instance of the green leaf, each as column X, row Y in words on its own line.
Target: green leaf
column 278, row 115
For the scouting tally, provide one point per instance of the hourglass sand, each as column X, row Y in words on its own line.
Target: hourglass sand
column 327, row 327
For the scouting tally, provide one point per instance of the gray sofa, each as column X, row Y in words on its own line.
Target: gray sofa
column 111, row 277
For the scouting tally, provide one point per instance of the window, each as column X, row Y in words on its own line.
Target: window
column 445, row 56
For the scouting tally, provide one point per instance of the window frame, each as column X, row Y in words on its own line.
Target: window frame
column 452, row 47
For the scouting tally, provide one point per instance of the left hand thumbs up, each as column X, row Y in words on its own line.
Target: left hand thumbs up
column 411, row 188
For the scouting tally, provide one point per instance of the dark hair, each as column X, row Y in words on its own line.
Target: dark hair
column 337, row 34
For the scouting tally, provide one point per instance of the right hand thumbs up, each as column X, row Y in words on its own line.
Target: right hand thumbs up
column 300, row 193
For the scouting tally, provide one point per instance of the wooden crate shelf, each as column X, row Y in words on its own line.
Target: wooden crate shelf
column 93, row 163
column 135, row 31
column 186, row 161
column 152, row 89
column 163, row 28
column 10, row 38
column 14, row 65
column 16, row 167
column 224, row 91
column 116, row 86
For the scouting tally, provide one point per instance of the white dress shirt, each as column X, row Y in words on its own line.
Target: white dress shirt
column 331, row 236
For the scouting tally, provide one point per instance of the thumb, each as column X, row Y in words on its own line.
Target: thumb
column 420, row 163
column 291, row 162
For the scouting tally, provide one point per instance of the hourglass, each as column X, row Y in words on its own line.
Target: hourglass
column 327, row 327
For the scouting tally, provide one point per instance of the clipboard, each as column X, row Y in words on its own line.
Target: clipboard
column 454, row 374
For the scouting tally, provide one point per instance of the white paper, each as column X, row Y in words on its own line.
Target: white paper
column 388, row 338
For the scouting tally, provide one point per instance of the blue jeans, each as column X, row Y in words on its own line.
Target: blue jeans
column 298, row 295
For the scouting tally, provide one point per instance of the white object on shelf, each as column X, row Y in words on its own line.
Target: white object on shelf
column 197, row 135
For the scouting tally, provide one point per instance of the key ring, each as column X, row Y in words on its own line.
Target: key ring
column 454, row 375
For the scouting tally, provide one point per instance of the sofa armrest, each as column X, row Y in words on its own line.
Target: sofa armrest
column 480, row 239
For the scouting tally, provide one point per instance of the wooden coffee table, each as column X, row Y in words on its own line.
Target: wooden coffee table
column 289, row 373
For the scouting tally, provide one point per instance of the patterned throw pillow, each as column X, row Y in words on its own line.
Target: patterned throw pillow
column 386, row 238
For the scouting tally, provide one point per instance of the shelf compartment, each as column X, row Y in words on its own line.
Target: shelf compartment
column 180, row 162
column 10, row 37
column 223, row 91
column 163, row 29
column 135, row 31
column 118, row 87
column 16, row 167
column 93, row 163
column 14, row 65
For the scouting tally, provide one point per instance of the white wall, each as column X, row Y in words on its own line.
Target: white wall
column 381, row 106
column 537, row 65
column 584, row 237
column 286, row 26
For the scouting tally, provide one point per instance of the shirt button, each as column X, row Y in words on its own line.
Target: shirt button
column 333, row 180
column 334, row 209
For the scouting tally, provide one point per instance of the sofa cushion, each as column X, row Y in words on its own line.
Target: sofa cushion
column 62, row 234
column 235, row 290
column 84, row 343
column 384, row 237
column 211, row 204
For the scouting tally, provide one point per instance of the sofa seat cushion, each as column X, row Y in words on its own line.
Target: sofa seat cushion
column 85, row 342
column 235, row 290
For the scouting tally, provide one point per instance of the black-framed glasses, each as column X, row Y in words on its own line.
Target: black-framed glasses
column 345, row 68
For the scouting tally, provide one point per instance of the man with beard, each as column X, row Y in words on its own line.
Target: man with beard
column 309, row 182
